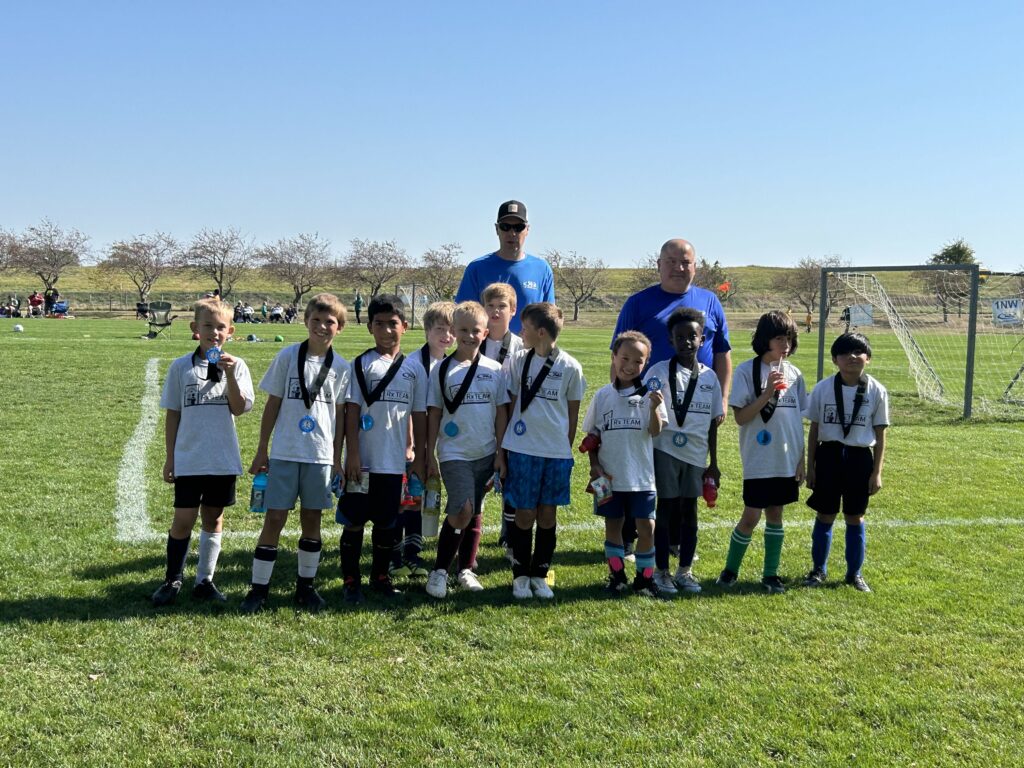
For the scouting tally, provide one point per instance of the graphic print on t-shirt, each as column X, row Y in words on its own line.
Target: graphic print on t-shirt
column 474, row 397
column 325, row 395
column 831, row 415
column 194, row 395
column 634, row 421
column 546, row 391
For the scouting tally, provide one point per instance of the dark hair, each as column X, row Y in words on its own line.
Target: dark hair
column 385, row 304
column 851, row 342
column 543, row 315
column 631, row 336
column 685, row 315
column 770, row 325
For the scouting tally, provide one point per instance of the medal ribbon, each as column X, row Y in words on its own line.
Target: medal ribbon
column 681, row 410
column 641, row 388
column 858, row 401
column 212, row 371
column 425, row 357
column 372, row 397
column 526, row 394
column 769, row 409
column 309, row 395
column 506, row 342
column 460, row 395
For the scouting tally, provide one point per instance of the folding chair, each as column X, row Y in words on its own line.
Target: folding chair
column 160, row 318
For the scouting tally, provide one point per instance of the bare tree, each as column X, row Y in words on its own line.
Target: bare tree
column 302, row 262
column 7, row 246
column 952, row 287
column 578, row 276
column 224, row 256
column 714, row 277
column 644, row 273
column 441, row 270
column 143, row 260
column 47, row 251
column 802, row 283
column 374, row 263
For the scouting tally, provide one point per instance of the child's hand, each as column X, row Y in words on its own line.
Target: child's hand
column 353, row 467
column 801, row 473
column 228, row 364
column 410, row 454
column 499, row 465
column 714, row 473
column 596, row 471
column 656, row 399
column 432, row 468
column 774, row 378
column 809, row 478
column 874, row 483
column 418, row 468
column 169, row 470
column 260, row 462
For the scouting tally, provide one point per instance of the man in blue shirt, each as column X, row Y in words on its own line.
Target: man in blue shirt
column 530, row 276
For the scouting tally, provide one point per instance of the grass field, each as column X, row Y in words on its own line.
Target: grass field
column 924, row 671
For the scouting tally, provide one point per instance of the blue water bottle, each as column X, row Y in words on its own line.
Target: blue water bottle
column 257, row 499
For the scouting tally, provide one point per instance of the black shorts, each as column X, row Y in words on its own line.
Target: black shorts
column 841, row 474
column 192, row 491
column 766, row 492
column 380, row 506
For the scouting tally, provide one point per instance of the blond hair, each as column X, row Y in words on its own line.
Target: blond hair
column 471, row 308
column 215, row 307
column 326, row 302
column 438, row 313
column 499, row 291
column 543, row 315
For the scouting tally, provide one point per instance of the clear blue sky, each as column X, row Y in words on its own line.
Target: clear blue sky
column 762, row 132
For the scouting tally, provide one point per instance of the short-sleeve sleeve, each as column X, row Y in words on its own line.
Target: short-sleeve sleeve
column 721, row 341
column 589, row 419
column 742, row 393
column 576, row 388
column 244, row 379
column 171, row 396
column 881, row 415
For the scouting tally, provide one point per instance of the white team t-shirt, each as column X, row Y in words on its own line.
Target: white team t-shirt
column 622, row 419
column 773, row 448
column 290, row 443
column 689, row 443
column 382, row 447
column 206, row 443
column 874, row 412
column 544, row 429
column 474, row 418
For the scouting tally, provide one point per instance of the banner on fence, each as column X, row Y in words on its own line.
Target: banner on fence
column 1008, row 312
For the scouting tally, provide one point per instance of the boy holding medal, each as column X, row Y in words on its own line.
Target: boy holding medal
column 845, row 451
column 680, row 450
column 466, row 420
column 306, row 386
column 203, row 393
column 387, row 390
column 546, row 386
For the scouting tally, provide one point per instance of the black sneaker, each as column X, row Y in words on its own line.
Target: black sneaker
column 644, row 586
column 383, row 586
column 616, row 584
column 167, row 593
column 815, row 578
column 773, row 584
column 351, row 591
column 307, row 597
column 207, row 590
column 255, row 601
column 857, row 582
column 726, row 578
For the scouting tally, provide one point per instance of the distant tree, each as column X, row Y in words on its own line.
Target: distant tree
column 224, row 256
column 952, row 287
column 644, row 273
column 802, row 283
column 7, row 245
column 373, row 264
column 302, row 262
column 441, row 270
column 714, row 277
column 580, row 277
column 47, row 251
column 143, row 260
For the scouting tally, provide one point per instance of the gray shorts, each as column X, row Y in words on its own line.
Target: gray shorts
column 676, row 479
column 464, row 481
column 290, row 480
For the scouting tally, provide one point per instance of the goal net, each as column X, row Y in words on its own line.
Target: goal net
column 952, row 335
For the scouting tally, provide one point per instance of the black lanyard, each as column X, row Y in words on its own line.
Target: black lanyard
column 212, row 371
column 506, row 342
column 460, row 395
column 641, row 388
column 372, row 397
column 425, row 357
column 681, row 410
column 769, row 409
column 309, row 395
column 526, row 394
column 858, row 401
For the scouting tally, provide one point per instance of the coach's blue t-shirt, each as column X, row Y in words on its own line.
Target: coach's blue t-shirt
column 648, row 312
column 531, row 278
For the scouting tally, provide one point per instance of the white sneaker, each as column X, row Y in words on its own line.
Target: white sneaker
column 663, row 581
column 521, row 588
column 686, row 581
column 541, row 588
column 437, row 584
column 468, row 580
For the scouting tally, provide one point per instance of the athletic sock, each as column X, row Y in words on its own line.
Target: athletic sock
column 448, row 541
column 470, row 544
column 738, row 544
column 543, row 551
column 521, row 540
column 773, row 537
column 675, row 524
column 821, row 543
column 381, row 539
column 645, row 563
column 412, row 544
column 177, row 552
column 309, row 559
column 351, row 546
column 396, row 541
column 688, row 533
column 209, row 551
column 661, row 532
column 263, row 566
column 508, row 519
column 856, row 543
column 615, row 554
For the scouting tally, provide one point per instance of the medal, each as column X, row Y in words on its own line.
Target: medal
column 520, row 427
column 307, row 424
column 764, row 437
column 654, row 384
column 213, row 355
column 679, row 439
column 451, row 429
column 366, row 422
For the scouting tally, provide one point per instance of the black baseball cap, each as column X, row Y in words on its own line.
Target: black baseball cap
column 512, row 209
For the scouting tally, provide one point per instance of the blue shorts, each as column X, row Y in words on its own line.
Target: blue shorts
column 291, row 480
column 638, row 505
column 535, row 480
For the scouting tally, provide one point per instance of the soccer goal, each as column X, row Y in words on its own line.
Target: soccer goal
column 952, row 334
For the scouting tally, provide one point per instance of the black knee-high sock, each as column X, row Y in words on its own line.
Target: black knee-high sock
column 470, row 543
column 521, row 540
column 448, row 542
column 382, row 539
column 351, row 548
column 412, row 544
column 688, row 538
column 675, row 524
column 508, row 519
column 543, row 551
column 661, row 532
column 177, row 552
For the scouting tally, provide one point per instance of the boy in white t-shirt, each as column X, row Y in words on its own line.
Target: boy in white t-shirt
column 408, row 544
column 388, row 389
column 203, row 393
column 694, row 403
column 546, row 386
column 306, row 386
column 466, row 419
column 768, row 399
column 626, row 416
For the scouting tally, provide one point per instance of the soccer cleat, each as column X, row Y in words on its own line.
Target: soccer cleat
column 351, row 592
column 399, row 570
column 167, row 593
column 207, row 590
column 617, row 583
column 437, row 584
column 383, row 586
column 644, row 586
column 540, row 588
column 857, row 582
column 663, row 581
column 815, row 578
column 468, row 580
column 255, row 601
column 726, row 578
column 521, row 588
column 307, row 597
column 630, row 554
column 773, row 584
column 686, row 581
column 417, row 568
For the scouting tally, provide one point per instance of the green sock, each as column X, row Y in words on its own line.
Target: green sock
column 737, row 549
column 773, row 536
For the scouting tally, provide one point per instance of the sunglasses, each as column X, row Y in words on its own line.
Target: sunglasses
column 506, row 227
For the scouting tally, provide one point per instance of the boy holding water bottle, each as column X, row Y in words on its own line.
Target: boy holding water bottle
column 203, row 393
column 306, row 387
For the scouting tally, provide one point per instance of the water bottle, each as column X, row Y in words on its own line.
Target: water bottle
column 710, row 491
column 407, row 499
column 257, row 498
column 432, row 507
column 590, row 443
column 415, row 484
column 497, row 483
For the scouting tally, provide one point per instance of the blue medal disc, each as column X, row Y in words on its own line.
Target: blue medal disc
column 679, row 439
column 307, row 424
column 451, row 429
column 213, row 355
column 520, row 427
column 366, row 422
column 654, row 384
column 764, row 437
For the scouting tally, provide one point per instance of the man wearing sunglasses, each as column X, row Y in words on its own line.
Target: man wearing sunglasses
column 530, row 276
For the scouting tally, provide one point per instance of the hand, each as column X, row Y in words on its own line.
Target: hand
column 260, row 462
column 228, row 364
column 353, row 467
column 432, row 468
column 874, row 483
column 714, row 473
column 410, row 454
column 596, row 471
column 774, row 378
column 656, row 399
column 809, row 478
column 417, row 469
column 169, row 471
column 338, row 469
column 719, row 419
column 500, row 466
column 801, row 473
